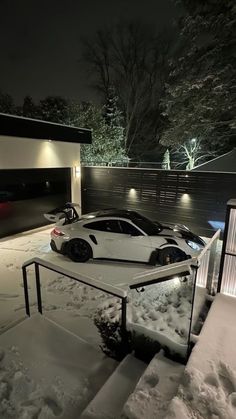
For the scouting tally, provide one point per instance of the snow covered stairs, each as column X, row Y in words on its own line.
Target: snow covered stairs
column 109, row 401
column 66, row 371
column 155, row 389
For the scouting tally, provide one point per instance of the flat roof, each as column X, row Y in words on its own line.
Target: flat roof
column 225, row 163
column 17, row 126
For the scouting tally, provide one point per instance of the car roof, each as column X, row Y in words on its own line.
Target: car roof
column 113, row 212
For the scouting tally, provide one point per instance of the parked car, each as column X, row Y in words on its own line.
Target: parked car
column 120, row 235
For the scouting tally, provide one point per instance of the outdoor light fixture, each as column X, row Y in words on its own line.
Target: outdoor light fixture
column 185, row 198
column 132, row 192
column 77, row 171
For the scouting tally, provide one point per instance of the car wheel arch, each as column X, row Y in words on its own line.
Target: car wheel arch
column 162, row 253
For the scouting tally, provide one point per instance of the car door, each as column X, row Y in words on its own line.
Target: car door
column 131, row 244
column 104, row 233
column 117, row 239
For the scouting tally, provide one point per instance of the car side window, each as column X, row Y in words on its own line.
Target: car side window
column 110, row 226
column 128, row 228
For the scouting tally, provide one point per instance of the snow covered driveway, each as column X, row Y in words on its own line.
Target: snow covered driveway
column 14, row 251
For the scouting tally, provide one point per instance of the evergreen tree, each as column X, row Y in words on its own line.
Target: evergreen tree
column 29, row 109
column 54, row 109
column 106, row 147
column 199, row 99
column 6, row 104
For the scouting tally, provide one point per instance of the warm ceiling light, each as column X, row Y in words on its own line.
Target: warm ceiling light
column 77, row 171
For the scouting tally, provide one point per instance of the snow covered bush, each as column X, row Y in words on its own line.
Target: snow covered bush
column 158, row 317
column 107, row 319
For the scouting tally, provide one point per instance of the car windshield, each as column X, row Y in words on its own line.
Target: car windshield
column 146, row 225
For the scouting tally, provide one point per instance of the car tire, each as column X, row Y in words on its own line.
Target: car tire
column 171, row 255
column 79, row 250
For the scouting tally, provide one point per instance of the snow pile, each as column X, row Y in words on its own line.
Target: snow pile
column 211, row 395
column 109, row 311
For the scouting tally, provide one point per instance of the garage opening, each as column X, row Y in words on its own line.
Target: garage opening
column 26, row 194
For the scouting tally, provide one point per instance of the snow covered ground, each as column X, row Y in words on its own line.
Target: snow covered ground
column 24, row 392
column 163, row 309
column 64, row 300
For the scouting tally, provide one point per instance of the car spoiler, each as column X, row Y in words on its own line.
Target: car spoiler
column 66, row 214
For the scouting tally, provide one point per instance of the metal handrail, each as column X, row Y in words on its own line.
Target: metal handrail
column 145, row 278
column 37, row 262
column 209, row 244
column 151, row 277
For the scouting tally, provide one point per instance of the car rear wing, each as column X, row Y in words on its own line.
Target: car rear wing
column 65, row 215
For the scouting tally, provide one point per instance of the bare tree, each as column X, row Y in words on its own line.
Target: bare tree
column 132, row 59
column 191, row 153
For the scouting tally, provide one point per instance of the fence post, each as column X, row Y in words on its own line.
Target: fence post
column 124, row 334
column 231, row 204
column 25, row 283
column 211, row 267
column 38, row 288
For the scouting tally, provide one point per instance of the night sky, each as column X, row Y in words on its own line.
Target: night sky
column 41, row 41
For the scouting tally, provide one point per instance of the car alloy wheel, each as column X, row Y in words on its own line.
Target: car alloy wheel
column 171, row 255
column 79, row 250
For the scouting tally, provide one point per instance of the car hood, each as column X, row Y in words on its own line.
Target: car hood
column 181, row 231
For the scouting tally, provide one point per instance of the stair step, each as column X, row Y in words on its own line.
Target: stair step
column 56, row 361
column 109, row 401
column 155, row 389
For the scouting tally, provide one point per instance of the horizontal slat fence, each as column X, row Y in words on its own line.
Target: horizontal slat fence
column 191, row 198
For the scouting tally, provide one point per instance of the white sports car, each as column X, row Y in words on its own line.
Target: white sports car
column 120, row 235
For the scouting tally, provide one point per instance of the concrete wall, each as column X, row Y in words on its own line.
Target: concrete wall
column 25, row 153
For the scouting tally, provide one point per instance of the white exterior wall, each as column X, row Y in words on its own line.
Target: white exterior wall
column 26, row 153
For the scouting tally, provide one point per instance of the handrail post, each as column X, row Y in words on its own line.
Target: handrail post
column 124, row 335
column 25, row 283
column 195, row 271
column 123, row 314
column 38, row 287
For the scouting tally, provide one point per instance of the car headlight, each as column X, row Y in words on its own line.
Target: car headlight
column 193, row 245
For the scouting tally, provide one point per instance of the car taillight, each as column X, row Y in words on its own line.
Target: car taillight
column 57, row 232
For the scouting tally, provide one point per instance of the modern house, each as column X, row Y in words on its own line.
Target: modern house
column 224, row 164
column 39, row 170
